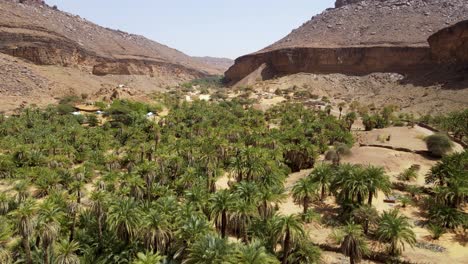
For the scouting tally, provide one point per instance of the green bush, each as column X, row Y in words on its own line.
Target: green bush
column 439, row 144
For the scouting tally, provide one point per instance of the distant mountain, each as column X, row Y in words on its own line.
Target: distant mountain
column 221, row 64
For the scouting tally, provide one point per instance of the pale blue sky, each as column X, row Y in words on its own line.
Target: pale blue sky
column 219, row 28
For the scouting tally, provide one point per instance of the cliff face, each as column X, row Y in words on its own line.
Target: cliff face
column 450, row 45
column 43, row 35
column 358, row 37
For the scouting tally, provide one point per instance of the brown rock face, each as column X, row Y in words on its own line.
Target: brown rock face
column 450, row 45
column 359, row 37
column 33, row 31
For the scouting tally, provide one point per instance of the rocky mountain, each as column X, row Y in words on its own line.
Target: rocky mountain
column 47, row 53
column 222, row 64
column 357, row 37
column 450, row 45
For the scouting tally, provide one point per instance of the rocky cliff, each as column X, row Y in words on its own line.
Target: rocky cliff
column 43, row 35
column 358, row 37
column 450, row 45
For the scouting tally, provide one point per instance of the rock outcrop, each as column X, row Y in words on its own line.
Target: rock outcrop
column 450, row 45
column 357, row 38
column 31, row 30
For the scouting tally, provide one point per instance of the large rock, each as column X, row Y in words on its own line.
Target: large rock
column 359, row 37
column 450, row 45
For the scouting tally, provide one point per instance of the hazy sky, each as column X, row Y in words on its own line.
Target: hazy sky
column 220, row 28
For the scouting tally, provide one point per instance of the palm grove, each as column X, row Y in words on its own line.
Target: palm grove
column 133, row 190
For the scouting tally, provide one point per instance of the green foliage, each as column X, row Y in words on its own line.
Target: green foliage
column 395, row 230
column 438, row 144
column 409, row 174
column 436, row 231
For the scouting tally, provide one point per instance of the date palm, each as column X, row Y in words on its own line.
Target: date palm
column 353, row 245
column 323, row 176
column 304, row 192
column 241, row 217
column 25, row 216
column 395, row 229
column 66, row 252
column 376, row 180
column 221, row 204
column 155, row 230
column 209, row 250
column 124, row 218
column 98, row 203
column 288, row 230
column 304, row 252
column 6, row 233
column 253, row 253
column 48, row 226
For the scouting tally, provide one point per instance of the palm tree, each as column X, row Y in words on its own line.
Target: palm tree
column 269, row 197
column 340, row 107
column 156, row 230
column 6, row 233
column 304, row 252
column 353, row 245
column 350, row 184
column 322, row 175
column 396, row 230
column 288, row 230
column 65, row 253
column 254, row 253
column 241, row 217
column 366, row 215
column 209, row 250
column 377, row 181
column 304, row 191
column 25, row 216
column 124, row 218
column 148, row 258
column 98, row 201
column 48, row 226
column 221, row 203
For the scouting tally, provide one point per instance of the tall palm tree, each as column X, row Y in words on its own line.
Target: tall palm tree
column 395, row 229
column 241, row 217
column 148, row 258
column 288, row 230
column 268, row 198
column 98, row 202
column 66, row 252
column 155, row 230
column 124, row 218
column 48, row 226
column 209, row 250
column 221, row 204
column 254, row 253
column 377, row 181
column 25, row 216
column 304, row 192
column 322, row 175
column 353, row 245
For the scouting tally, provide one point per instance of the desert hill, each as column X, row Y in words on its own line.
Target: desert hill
column 47, row 53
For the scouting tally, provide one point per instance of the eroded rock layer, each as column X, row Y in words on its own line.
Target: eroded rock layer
column 359, row 37
column 450, row 45
column 46, row 36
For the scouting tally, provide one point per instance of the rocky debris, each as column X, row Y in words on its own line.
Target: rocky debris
column 19, row 80
column 431, row 247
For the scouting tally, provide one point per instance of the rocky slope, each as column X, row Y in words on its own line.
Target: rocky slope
column 44, row 35
column 358, row 38
column 46, row 53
